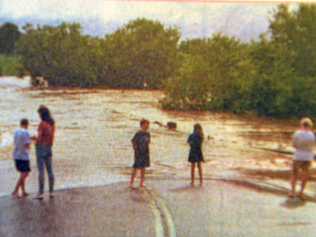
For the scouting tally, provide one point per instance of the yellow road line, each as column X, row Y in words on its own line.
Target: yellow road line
column 163, row 217
column 159, row 229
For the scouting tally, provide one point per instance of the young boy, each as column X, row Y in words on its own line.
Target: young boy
column 21, row 155
column 141, row 142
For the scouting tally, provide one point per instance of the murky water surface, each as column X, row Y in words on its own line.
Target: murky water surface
column 94, row 128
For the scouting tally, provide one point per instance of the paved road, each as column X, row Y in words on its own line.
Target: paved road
column 226, row 209
column 103, row 211
column 165, row 208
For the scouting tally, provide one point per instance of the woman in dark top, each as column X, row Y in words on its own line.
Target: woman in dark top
column 44, row 144
column 195, row 141
column 141, row 141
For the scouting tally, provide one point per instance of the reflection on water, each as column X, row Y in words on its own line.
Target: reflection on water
column 94, row 128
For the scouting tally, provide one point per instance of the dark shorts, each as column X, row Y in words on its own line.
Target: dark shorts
column 22, row 166
column 196, row 156
column 141, row 161
column 301, row 165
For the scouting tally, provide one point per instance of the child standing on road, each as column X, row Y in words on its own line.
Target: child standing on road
column 21, row 155
column 195, row 141
column 304, row 143
column 141, row 141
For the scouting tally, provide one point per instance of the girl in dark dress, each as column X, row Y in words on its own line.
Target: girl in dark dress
column 195, row 141
column 141, row 141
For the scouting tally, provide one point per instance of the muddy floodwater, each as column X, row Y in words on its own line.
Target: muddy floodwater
column 95, row 126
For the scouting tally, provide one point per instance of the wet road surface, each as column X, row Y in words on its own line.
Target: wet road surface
column 165, row 208
column 103, row 211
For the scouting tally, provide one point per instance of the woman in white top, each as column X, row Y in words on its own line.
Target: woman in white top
column 303, row 142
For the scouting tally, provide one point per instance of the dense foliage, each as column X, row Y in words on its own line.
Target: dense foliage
column 10, row 66
column 9, row 35
column 212, row 75
column 272, row 76
column 59, row 54
column 275, row 76
column 142, row 52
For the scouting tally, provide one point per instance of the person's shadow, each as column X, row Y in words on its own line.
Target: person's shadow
column 137, row 195
column 185, row 188
column 293, row 203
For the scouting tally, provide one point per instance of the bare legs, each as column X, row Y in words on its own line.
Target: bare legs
column 21, row 185
column 304, row 179
column 142, row 178
column 293, row 185
column 200, row 173
column 131, row 182
column 199, row 165
column 133, row 176
column 192, row 174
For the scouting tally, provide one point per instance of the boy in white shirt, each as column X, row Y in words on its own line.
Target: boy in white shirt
column 21, row 156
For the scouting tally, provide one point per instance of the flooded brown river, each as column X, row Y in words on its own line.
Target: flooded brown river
column 95, row 126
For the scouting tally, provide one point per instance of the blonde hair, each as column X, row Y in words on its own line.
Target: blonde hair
column 306, row 123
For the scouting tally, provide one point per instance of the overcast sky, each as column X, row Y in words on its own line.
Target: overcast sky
column 98, row 17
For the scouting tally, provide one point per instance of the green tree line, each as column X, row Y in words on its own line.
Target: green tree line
column 143, row 52
column 273, row 76
column 10, row 63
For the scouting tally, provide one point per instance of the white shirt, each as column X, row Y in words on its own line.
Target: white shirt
column 21, row 139
column 304, row 142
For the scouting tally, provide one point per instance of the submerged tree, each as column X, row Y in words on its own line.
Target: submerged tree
column 59, row 54
column 219, row 67
column 274, row 76
column 142, row 52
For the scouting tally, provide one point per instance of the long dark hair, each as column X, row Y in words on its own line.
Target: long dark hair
column 45, row 115
column 199, row 130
